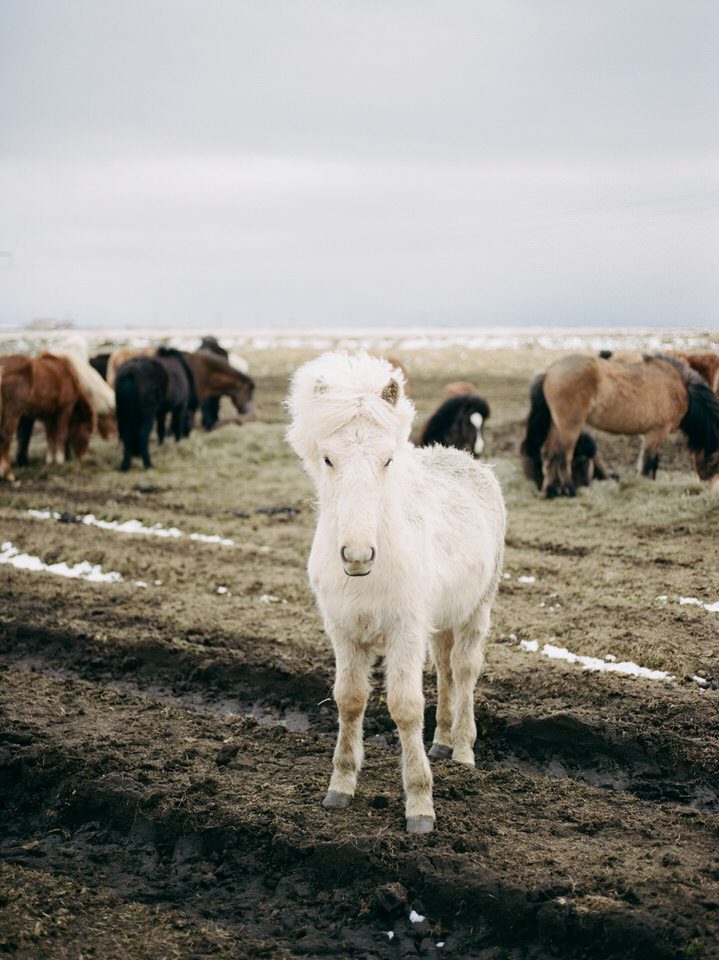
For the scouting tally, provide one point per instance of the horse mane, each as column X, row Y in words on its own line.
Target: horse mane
column 100, row 394
column 539, row 421
column 193, row 400
column 443, row 417
column 701, row 421
column 83, row 410
column 331, row 391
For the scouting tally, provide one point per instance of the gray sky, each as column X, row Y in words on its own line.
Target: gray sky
column 359, row 162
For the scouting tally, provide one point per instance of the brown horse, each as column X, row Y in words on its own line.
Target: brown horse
column 118, row 357
column 214, row 377
column 45, row 388
column 650, row 398
column 705, row 364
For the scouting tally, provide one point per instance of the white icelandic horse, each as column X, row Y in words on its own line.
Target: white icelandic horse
column 407, row 553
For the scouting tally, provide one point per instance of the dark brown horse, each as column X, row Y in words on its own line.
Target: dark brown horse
column 650, row 397
column 214, row 377
column 46, row 388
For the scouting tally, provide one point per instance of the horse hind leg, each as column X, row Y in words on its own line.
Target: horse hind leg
column 441, row 648
column 467, row 660
column 351, row 691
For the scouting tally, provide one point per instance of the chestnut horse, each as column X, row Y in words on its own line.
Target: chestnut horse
column 705, row 364
column 650, row 397
column 214, row 377
column 48, row 389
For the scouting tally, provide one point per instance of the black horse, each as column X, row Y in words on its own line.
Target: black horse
column 140, row 391
column 459, row 423
column 180, row 399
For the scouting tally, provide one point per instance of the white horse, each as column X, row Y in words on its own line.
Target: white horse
column 407, row 552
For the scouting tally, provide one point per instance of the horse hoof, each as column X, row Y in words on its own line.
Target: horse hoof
column 336, row 800
column 420, row 824
column 440, row 750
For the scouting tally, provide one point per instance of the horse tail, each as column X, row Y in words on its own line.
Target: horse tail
column 538, row 424
column 129, row 410
column 701, row 421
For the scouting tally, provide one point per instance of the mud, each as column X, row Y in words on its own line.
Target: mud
column 164, row 749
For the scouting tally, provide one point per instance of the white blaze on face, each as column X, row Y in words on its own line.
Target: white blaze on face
column 477, row 420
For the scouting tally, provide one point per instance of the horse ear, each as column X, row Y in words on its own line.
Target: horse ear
column 390, row 393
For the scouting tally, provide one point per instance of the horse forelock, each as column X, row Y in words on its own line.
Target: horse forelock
column 330, row 393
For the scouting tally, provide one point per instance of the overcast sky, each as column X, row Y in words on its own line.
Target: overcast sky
column 228, row 163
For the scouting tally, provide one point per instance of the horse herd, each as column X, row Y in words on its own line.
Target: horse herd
column 130, row 391
column 126, row 392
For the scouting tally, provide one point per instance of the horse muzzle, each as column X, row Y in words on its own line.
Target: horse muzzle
column 357, row 563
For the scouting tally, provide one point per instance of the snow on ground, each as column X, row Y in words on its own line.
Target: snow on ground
column 78, row 571
column 134, row 526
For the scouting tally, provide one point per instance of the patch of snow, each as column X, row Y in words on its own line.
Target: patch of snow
column 390, row 934
column 415, row 917
column 608, row 665
column 526, row 579
column 135, row 526
column 712, row 607
column 269, row 598
column 78, row 571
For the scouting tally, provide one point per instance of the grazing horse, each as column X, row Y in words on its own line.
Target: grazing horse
column 587, row 462
column 45, row 388
column 99, row 393
column 650, row 397
column 140, row 391
column 458, row 422
column 407, row 554
column 705, row 364
column 180, row 399
column 214, row 377
column 211, row 406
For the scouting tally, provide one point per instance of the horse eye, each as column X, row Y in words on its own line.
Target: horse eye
column 388, row 462
column 328, row 462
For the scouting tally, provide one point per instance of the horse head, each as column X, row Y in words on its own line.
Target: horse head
column 241, row 396
column 81, row 426
column 350, row 424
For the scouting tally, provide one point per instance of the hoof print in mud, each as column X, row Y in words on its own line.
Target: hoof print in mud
column 336, row 800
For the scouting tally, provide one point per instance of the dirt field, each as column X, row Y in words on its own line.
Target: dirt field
column 166, row 735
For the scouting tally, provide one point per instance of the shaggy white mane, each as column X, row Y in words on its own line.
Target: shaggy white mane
column 100, row 394
column 331, row 391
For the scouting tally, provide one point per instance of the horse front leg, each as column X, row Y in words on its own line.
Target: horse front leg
column 557, row 462
column 406, row 706
column 351, row 691
column 441, row 647
column 24, row 433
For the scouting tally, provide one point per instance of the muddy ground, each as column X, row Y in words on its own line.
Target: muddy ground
column 164, row 747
